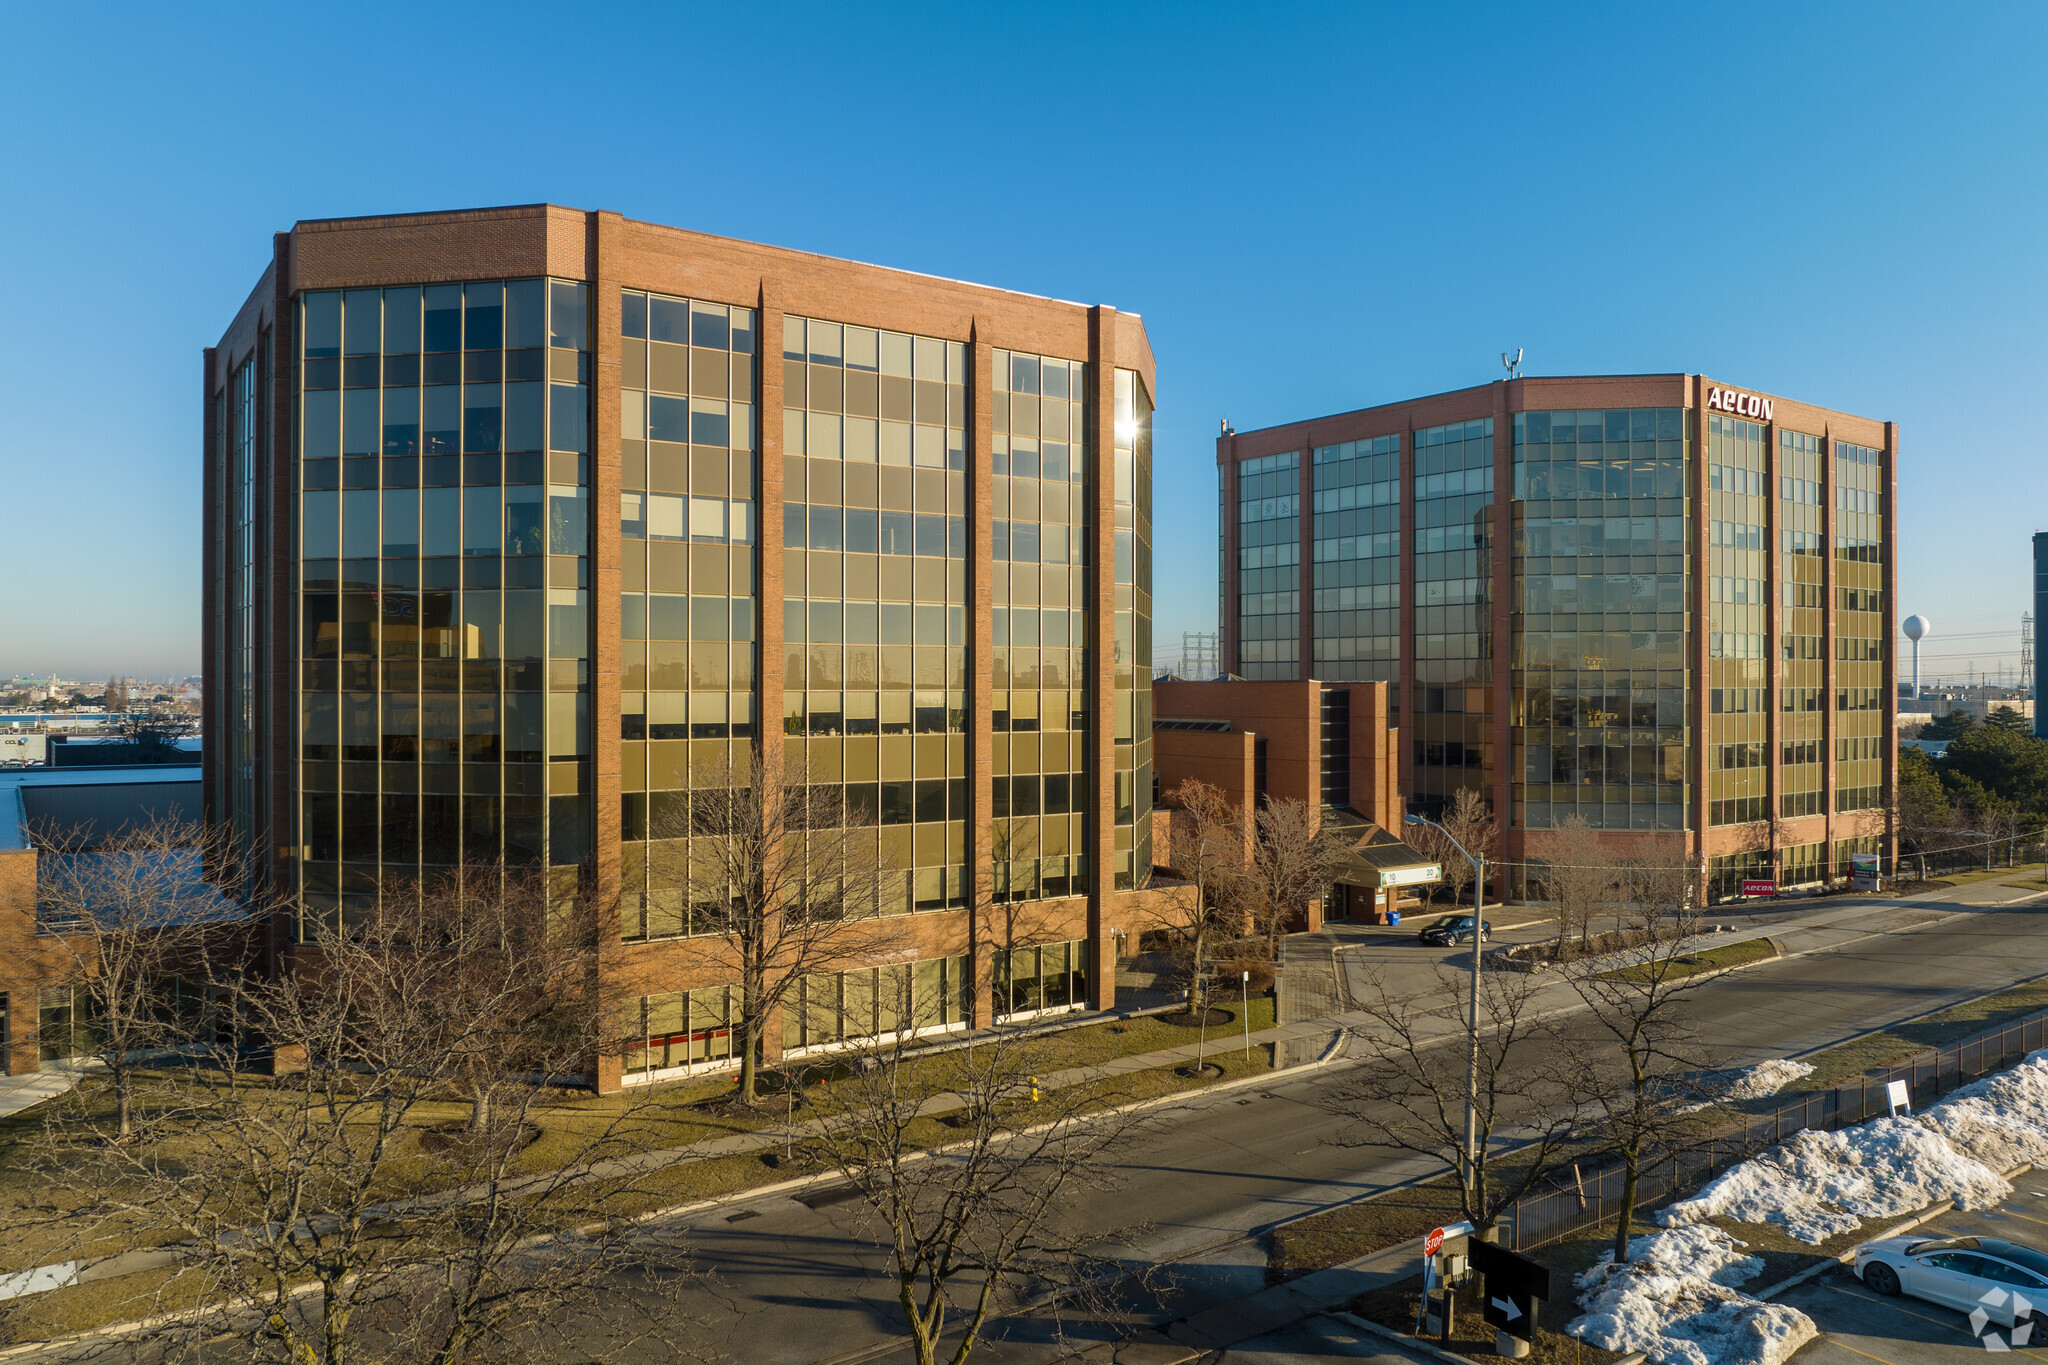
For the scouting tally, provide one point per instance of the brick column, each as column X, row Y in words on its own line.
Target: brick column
column 981, row 570
column 1774, row 623
column 1889, row 794
column 214, row 594
column 1305, row 576
column 1503, row 537
column 768, row 538
column 1101, row 828
column 768, row 564
column 276, row 568
column 1701, row 676
column 606, row 552
column 1227, row 642
column 1404, row 759
column 1828, row 720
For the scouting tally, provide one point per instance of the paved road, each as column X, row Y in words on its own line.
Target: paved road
column 1225, row 1164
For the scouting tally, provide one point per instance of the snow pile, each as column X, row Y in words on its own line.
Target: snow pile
column 1675, row 1301
column 1753, row 1083
column 2001, row 1120
column 1818, row 1184
column 1766, row 1078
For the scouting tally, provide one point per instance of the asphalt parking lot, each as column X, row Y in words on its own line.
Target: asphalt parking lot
column 1858, row 1326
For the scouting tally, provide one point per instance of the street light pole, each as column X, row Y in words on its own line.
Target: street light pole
column 1472, row 1016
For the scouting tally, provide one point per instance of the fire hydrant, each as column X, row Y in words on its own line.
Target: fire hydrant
column 1034, row 1089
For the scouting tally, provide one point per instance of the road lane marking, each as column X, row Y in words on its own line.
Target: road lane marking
column 1894, row 1305
column 1837, row 1341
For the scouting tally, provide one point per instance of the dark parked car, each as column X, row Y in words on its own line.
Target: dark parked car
column 1449, row 930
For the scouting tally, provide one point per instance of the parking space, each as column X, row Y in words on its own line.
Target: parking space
column 1859, row 1326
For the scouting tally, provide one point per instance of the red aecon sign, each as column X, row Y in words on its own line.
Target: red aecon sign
column 1759, row 888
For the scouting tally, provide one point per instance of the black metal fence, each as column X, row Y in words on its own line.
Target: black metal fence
column 1590, row 1198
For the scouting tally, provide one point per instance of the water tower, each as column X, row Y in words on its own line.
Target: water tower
column 1916, row 628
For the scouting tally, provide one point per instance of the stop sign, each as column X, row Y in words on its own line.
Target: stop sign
column 1434, row 1242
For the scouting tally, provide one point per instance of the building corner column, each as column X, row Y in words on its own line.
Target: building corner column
column 606, row 474
column 1101, row 829
column 981, row 672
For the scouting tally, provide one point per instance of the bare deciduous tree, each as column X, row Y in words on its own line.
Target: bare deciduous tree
column 1209, row 857
column 511, row 951
column 1293, row 861
column 1578, row 878
column 1643, row 1071
column 1411, row 1091
column 779, row 870
column 965, row 1164
column 140, row 934
column 323, row 1217
column 1466, row 818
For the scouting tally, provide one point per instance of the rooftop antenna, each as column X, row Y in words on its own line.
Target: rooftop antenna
column 1514, row 366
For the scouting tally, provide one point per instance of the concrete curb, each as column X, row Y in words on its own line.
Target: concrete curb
column 1401, row 1339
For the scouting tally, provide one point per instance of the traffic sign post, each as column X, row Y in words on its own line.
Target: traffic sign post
column 1515, row 1288
column 1433, row 1243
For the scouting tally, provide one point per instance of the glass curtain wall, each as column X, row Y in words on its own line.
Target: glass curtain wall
column 1860, row 642
column 1453, row 669
column 1269, row 567
column 443, row 465
column 1739, row 536
column 244, row 432
column 1357, row 551
column 1599, row 667
column 875, row 584
column 1132, row 500
column 1802, row 660
column 688, row 611
column 1042, row 458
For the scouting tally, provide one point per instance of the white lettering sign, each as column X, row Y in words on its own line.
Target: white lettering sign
column 1739, row 403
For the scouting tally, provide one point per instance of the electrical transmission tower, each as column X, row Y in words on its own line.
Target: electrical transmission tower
column 2026, row 649
column 1198, row 655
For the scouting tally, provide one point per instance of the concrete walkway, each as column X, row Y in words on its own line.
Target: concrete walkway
column 24, row 1092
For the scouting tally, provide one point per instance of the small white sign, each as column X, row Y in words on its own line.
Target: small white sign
column 1412, row 876
column 1897, row 1096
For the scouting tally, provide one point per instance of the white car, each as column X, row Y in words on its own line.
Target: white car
column 2008, row 1284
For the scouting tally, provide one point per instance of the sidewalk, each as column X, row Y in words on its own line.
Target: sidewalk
column 23, row 1092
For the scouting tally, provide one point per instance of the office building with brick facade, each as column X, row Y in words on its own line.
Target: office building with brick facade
column 1658, row 603
column 516, row 517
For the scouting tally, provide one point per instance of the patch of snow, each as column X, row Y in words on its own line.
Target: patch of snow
column 2001, row 1120
column 1755, row 1082
column 1766, row 1078
column 1676, row 1302
column 1817, row 1184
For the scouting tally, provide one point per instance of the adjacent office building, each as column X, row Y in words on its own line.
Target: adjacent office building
column 516, row 517
column 1657, row 603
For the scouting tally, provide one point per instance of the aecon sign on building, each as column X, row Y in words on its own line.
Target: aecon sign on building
column 1740, row 403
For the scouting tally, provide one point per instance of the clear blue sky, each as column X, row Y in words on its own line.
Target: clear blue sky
column 1314, row 209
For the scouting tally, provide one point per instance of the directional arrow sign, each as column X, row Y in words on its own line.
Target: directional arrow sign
column 1513, row 1284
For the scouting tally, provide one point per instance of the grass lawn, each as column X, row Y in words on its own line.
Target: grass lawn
column 1713, row 959
column 677, row 1115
